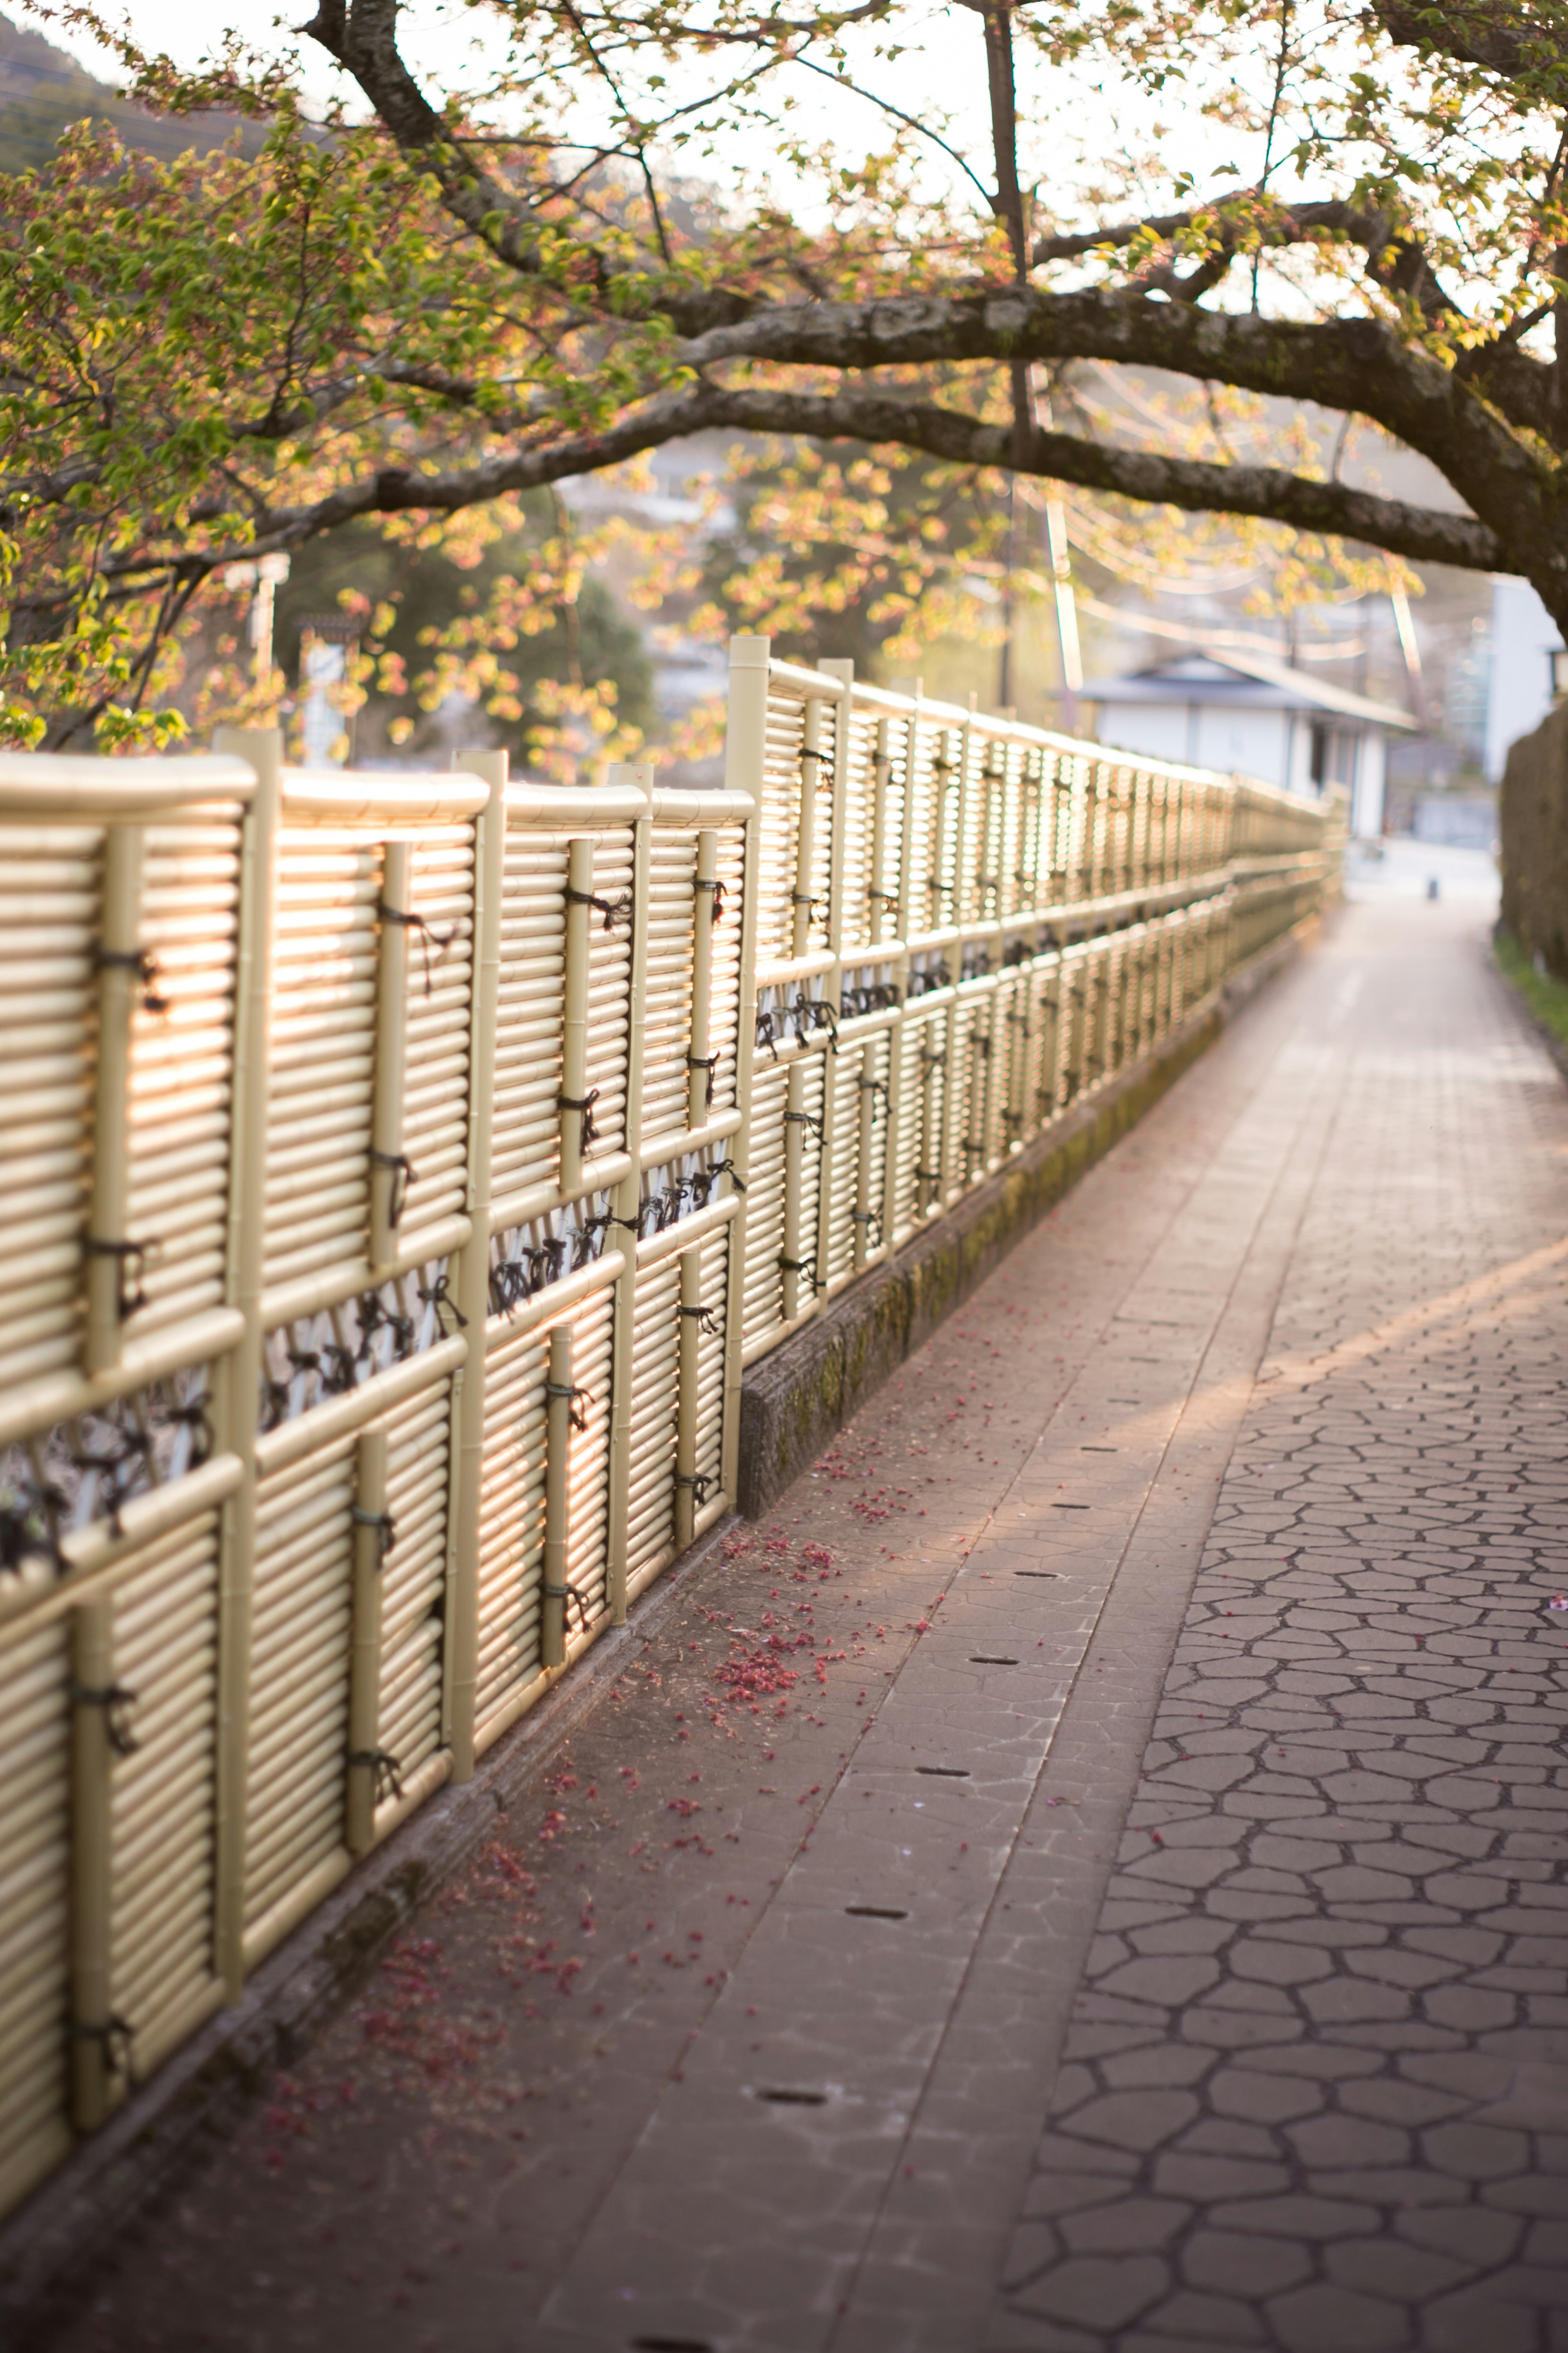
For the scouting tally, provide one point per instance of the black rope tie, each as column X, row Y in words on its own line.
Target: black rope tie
column 873, row 1087
column 194, row 1418
column 438, row 1296
column 702, row 883
column 144, row 965
column 707, row 1064
column 338, row 1374
column 723, row 1168
column 584, row 1103
column 614, row 911
column 981, row 1041
column 375, row 1316
column 19, row 1542
column 441, row 941
column 384, row 1523
column 929, row 1176
column 932, row 1062
column 386, row 1769
column 128, row 1254
column 567, row 1594
column 816, row 1013
column 807, row 1119
column 114, row 2039
column 701, row 1483
column 872, row 1221
column 705, row 1318
column 807, row 1266
column 404, row 1175
column 115, row 1700
column 577, row 1402
column 766, row 1033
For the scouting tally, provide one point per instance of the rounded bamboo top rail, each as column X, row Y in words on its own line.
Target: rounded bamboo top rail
column 822, row 686
column 79, row 786
column 573, row 808
column 349, row 797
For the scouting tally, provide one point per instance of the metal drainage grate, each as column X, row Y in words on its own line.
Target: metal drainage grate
column 986, row 1659
column 671, row 2345
column 873, row 1911
column 945, row 1772
column 788, row 2099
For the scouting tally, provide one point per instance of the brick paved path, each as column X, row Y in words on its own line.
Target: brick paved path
column 1249, row 1891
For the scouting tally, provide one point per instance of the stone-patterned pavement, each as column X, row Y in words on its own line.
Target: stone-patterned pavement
column 1146, row 1930
column 1314, row 2094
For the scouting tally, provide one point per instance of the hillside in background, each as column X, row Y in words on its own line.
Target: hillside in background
column 42, row 91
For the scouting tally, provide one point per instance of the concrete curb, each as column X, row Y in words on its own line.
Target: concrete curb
column 794, row 1400
column 52, row 2247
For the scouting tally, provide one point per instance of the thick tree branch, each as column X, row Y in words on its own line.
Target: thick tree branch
column 1358, row 365
column 1267, row 491
column 1270, row 492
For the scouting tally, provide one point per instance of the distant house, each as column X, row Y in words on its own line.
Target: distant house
column 1251, row 717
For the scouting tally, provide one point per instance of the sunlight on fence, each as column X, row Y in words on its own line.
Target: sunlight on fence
column 400, row 1173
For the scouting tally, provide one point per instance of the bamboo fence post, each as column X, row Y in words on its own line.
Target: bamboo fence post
column 389, row 1171
column 832, row 981
column 876, row 894
column 626, row 1204
column 238, row 1392
column 560, row 1402
column 576, row 1117
column 109, row 1248
column 373, row 1537
column 471, row 1288
column 744, row 756
column 865, row 1097
column 96, row 2033
column 704, row 893
column 687, row 1433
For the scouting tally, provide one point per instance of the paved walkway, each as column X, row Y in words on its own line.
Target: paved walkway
column 964, row 1932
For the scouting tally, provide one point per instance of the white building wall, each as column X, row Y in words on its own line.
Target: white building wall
column 1519, row 696
column 1203, row 736
column 1366, row 792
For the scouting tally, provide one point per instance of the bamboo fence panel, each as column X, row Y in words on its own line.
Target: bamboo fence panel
column 400, row 1173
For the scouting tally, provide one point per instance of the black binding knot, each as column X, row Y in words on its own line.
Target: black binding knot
column 128, row 1254
column 616, row 910
column 404, row 1174
column 113, row 1699
column 584, row 1103
column 382, row 1523
column 577, row 1402
column 140, row 962
column 441, row 941
column 386, row 1769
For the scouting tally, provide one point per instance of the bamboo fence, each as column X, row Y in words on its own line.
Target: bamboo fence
column 400, row 1173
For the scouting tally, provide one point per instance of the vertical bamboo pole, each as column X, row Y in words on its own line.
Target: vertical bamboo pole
column 876, row 891
column 558, row 1406
column 471, row 1288
column 371, row 1541
column 388, row 1171
column 92, row 1758
column 119, row 923
column 790, row 1261
column 811, row 758
column 686, row 1430
column 866, row 1096
column 832, row 981
column 700, row 1079
column 575, row 1015
column 237, row 1393
column 623, row 1370
column 744, row 755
